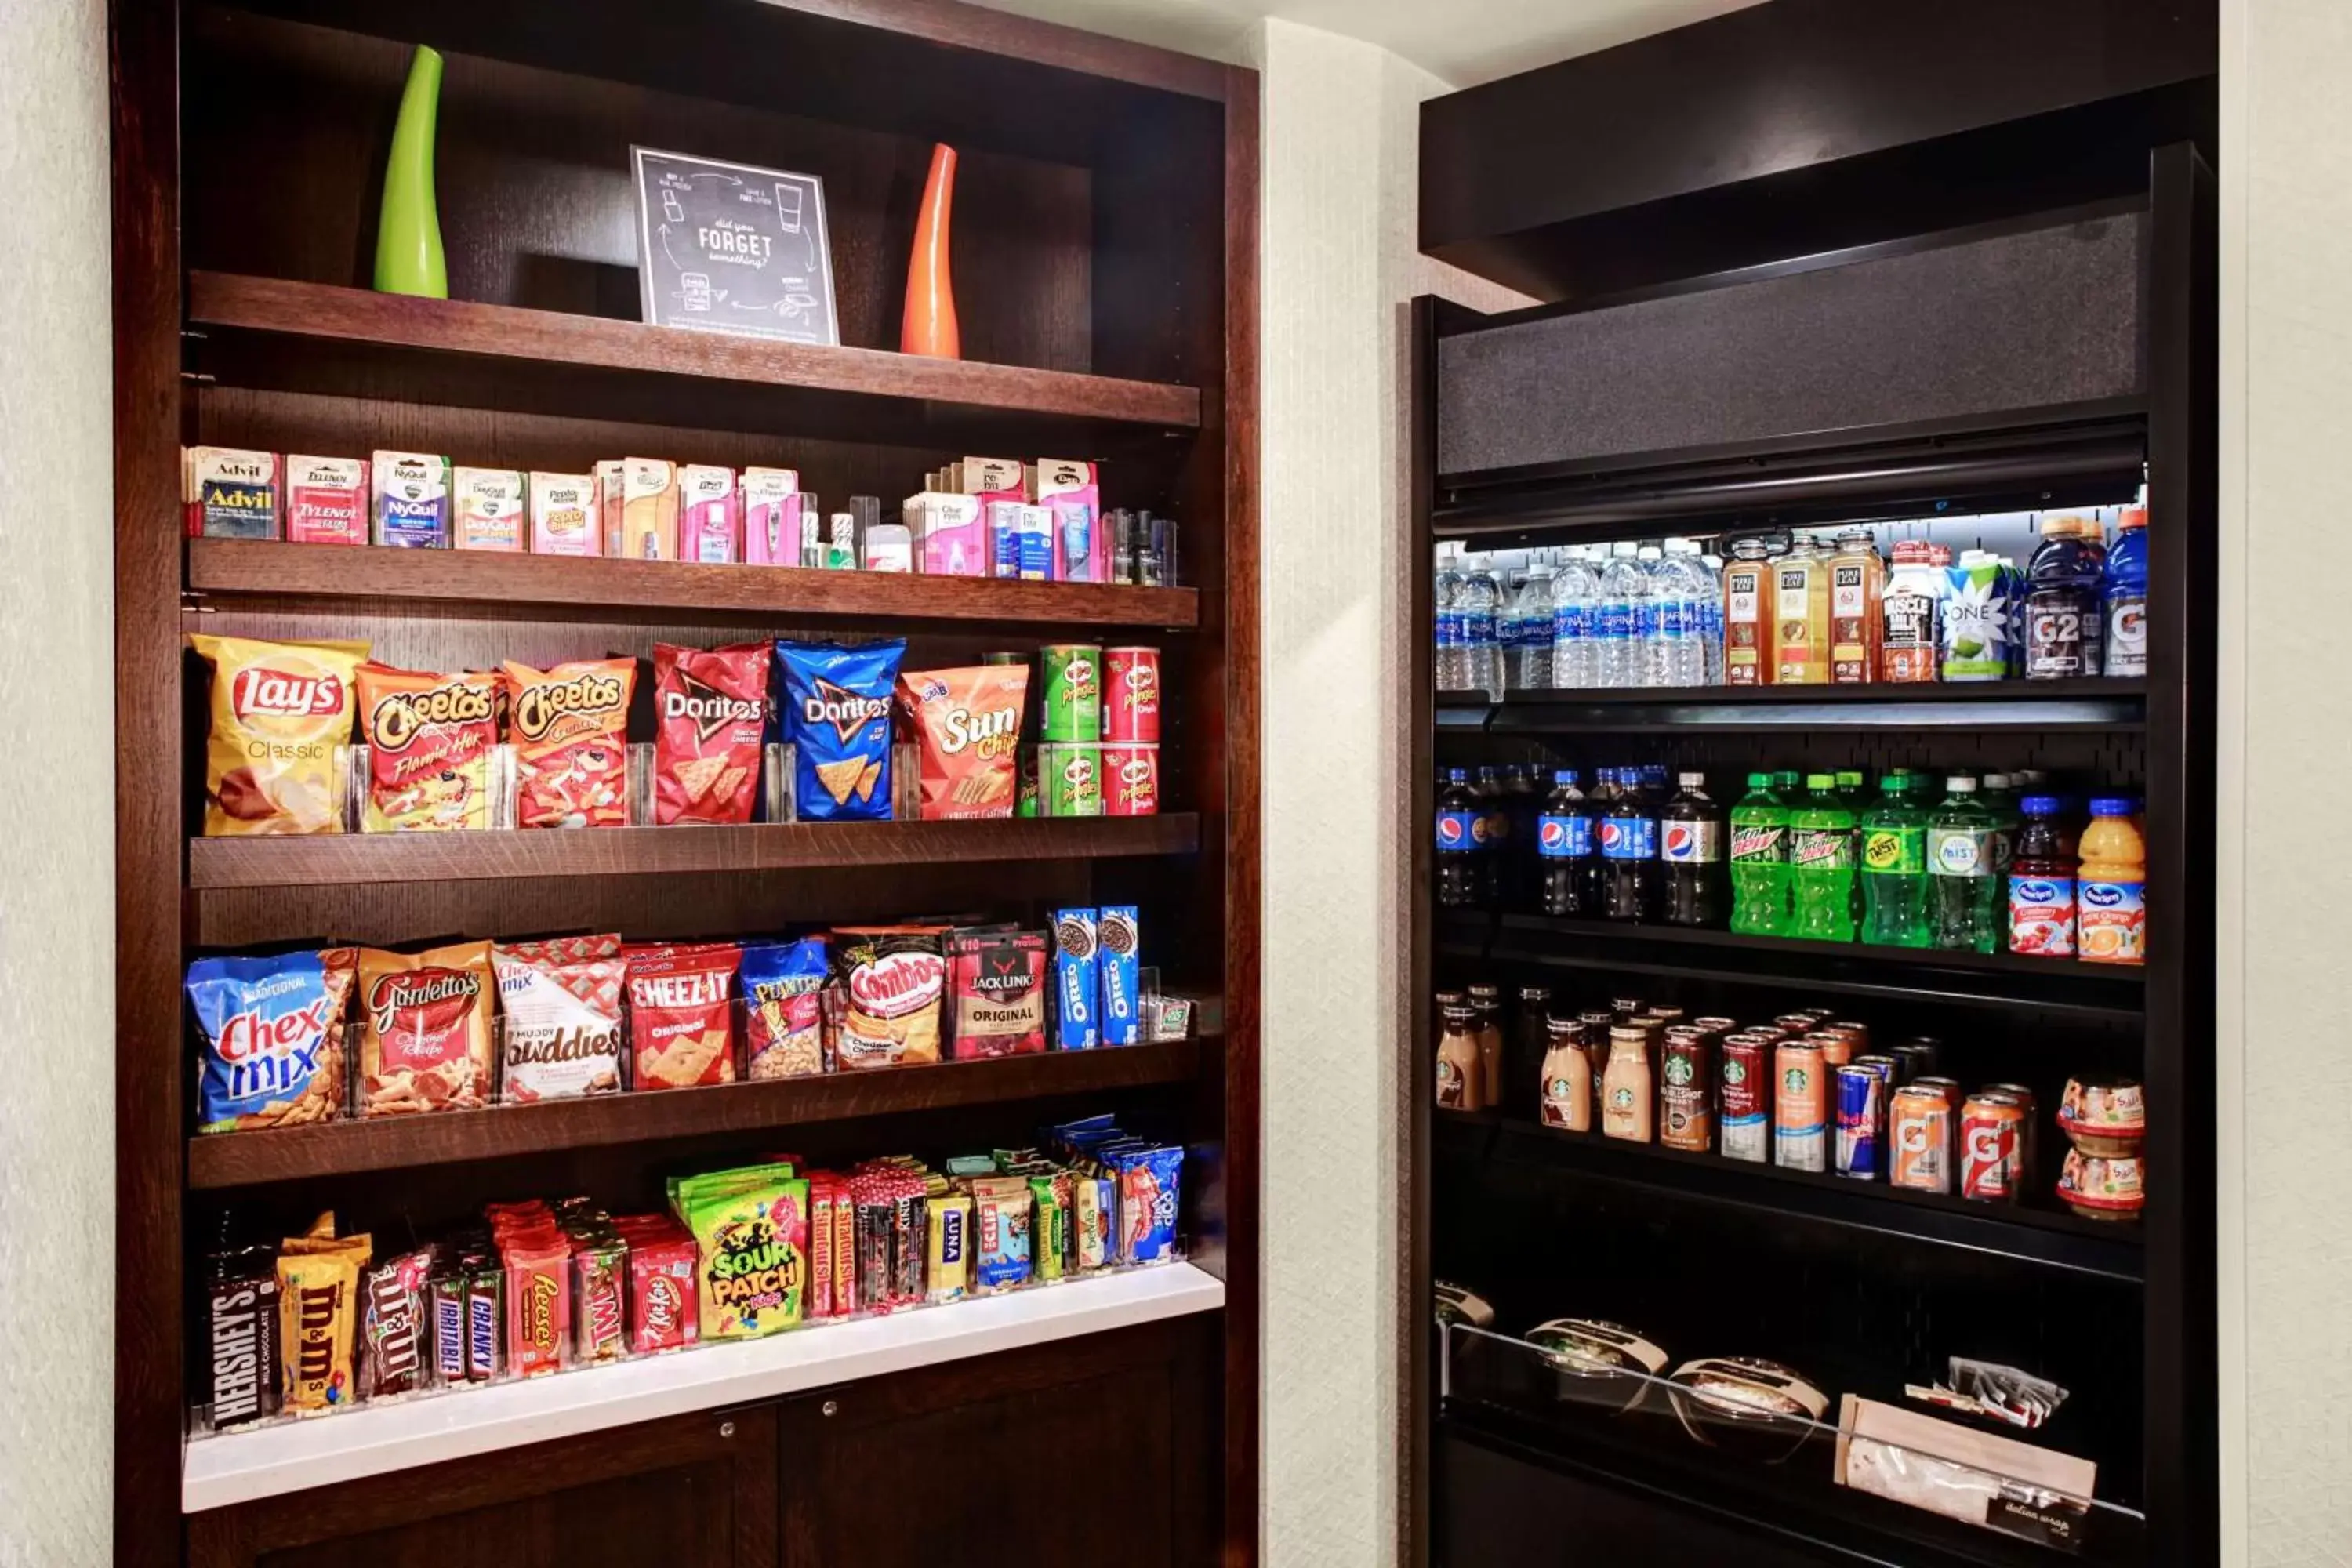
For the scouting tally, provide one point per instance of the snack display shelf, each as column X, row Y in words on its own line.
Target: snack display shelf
column 315, row 576
column 366, row 328
column 329, row 858
column 2098, row 705
column 395, row 1142
column 378, row 1438
column 2049, row 1237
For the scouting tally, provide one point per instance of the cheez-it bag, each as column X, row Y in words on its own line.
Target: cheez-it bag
column 571, row 739
column 429, row 742
column 682, row 1013
column 280, row 711
column 711, row 710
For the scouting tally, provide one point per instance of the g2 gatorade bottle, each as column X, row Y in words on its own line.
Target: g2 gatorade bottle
column 1759, row 860
column 2113, row 886
column 1821, row 863
column 1895, row 867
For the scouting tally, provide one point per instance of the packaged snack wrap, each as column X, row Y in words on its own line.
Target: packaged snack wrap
column 682, row 1015
column 837, row 713
column 570, row 735
column 317, row 1306
column 562, row 1000
column 425, row 1044
column 240, row 1378
column 1149, row 1198
column 538, row 1265
column 281, row 713
column 430, row 741
column 892, row 978
column 273, row 1038
column 664, row 1300
column 968, row 724
column 783, row 984
column 711, row 708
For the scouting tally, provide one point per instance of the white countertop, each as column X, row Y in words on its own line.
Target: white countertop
column 347, row 1445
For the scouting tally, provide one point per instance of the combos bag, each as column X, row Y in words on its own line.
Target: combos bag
column 430, row 738
column 783, row 986
column 682, row 1015
column 426, row 1044
column 711, row 708
column 273, row 1032
column 562, row 1000
column 969, row 724
column 279, row 713
column 892, row 980
column 571, row 737
column 836, row 714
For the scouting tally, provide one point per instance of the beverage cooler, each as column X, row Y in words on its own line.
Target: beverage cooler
column 1812, row 1159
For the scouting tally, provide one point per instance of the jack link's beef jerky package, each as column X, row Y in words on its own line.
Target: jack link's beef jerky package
column 997, row 982
column 281, row 715
column 561, row 1002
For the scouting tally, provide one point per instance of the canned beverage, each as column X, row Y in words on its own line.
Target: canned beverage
column 1746, row 1092
column 1665, row 1012
column 1861, row 1032
column 1069, row 775
column 1837, row 1050
column 1861, row 1120
column 1718, row 1028
column 1919, row 1139
column 1893, row 1065
column 1003, row 656
column 2028, row 1133
column 1800, row 1107
column 1073, row 673
column 1852, row 1038
column 1131, row 695
column 1918, row 1061
column 1131, row 780
column 1795, row 1023
column 1927, row 1047
column 1685, row 1092
column 1989, row 1147
column 1949, row 1088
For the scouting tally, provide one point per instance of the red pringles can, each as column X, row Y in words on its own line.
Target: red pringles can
column 1130, row 779
column 1131, row 695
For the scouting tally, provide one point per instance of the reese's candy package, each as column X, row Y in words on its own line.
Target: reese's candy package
column 279, row 713
column 273, row 1038
column 682, row 1015
column 426, row 1029
column 836, row 714
column 783, row 984
column 710, row 710
column 571, row 737
column 317, row 1315
column 562, row 1000
column 892, row 978
column 968, row 724
column 997, row 978
column 430, row 739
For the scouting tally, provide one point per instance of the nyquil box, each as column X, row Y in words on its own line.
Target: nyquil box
column 1077, row 985
column 411, row 499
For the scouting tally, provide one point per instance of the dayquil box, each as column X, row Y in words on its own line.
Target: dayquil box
column 326, row 499
column 709, row 521
column 411, row 499
column 564, row 515
column 490, row 508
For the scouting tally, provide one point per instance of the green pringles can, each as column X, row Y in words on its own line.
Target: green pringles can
column 1026, row 804
column 1069, row 778
column 1073, row 675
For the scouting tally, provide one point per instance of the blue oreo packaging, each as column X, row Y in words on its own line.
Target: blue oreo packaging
column 1120, row 1016
column 1150, row 1195
column 1076, row 983
column 836, row 714
column 273, row 1038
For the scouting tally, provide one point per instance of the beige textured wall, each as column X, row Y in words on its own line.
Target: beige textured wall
column 56, row 867
column 2285, row 979
column 1339, row 259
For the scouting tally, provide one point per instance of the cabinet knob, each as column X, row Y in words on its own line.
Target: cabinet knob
column 832, row 1408
column 727, row 1428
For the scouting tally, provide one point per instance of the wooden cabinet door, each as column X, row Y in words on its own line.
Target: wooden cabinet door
column 1047, row 1458
column 698, row 1491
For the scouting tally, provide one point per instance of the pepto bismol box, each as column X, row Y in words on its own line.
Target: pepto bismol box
column 1077, row 980
column 1121, row 1018
column 411, row 499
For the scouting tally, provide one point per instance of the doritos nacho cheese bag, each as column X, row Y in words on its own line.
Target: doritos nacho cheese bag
column 279, row 713
column 836, row 714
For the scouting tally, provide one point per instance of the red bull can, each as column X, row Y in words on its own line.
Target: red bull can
column 1862, row 1121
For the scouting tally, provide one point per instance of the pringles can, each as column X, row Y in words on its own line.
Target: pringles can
column 1130, row 779
column 1131, row 695
column 1073, row 707
column 1069, row 779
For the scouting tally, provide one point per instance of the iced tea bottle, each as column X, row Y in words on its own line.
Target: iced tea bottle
column 1747, row 615
column 1800, row 616
column 1857, row 586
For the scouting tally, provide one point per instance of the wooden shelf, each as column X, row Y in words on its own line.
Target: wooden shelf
column 333, row 858
column 563, row 587
column 395, row 1142
column 527, row 342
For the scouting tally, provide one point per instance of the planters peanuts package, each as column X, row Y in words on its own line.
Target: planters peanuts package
column 1077, row 988
column 1120, row 1016
column 836, row 714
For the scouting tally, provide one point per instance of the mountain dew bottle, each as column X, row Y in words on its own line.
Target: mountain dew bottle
column 1759, row 860
column 1821, row 863
column 1894, row 868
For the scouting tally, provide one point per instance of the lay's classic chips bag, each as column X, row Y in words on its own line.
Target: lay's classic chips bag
column 836, row 714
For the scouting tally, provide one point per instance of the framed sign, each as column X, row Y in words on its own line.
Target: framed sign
column 726, row 247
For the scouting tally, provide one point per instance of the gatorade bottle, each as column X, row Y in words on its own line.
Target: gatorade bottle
column 1629, row 850
column 2042, row 884
column 2123, row 596
column 1759, row 860
column 1690, row 856
column 1460, row 821
column 2113, row 885
column 1563, row 845
column 1821, row 863
column 1962, row 892
column 1895, row 867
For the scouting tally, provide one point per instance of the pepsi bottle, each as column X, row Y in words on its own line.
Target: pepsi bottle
column 1564, row 849
column 1461, row 833
column 1495, row 833
column 1690, row 856
column 1629, row 853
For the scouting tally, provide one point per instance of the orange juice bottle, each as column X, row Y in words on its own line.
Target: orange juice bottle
column 1800, row 616
column 2111, row 891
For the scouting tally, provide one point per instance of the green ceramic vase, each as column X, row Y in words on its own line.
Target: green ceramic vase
column 408, row 258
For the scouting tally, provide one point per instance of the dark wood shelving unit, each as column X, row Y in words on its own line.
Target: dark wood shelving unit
column 332, row 859
column 397, row 1142
column 323, row 577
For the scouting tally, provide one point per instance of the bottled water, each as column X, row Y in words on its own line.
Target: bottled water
column 1650, row 620
column 1453, row 666
column 1679, row 582
column 1624, row 599
column 1528, row 648
column 1575, row 639
column 1711, row 628
column 1482, row 648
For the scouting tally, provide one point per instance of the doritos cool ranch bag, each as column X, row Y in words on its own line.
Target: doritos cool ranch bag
column 836, row 714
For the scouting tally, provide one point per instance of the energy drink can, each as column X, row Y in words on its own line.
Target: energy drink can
column 1861, row 1120
column 1073, row 673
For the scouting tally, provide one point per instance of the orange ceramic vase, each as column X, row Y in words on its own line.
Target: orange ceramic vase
column 930, row 326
